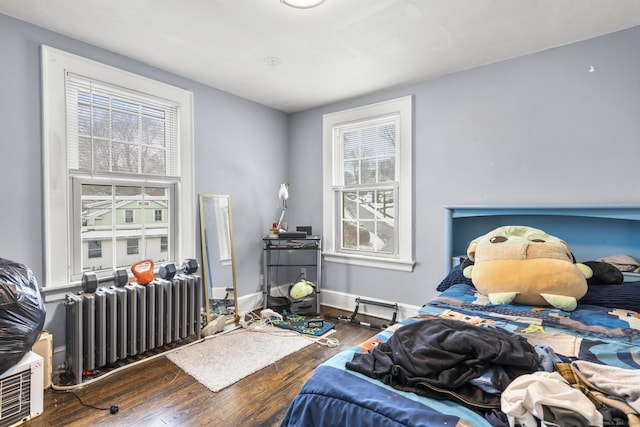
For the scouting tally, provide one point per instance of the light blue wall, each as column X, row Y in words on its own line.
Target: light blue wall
column 238, row 151
column 539, row 129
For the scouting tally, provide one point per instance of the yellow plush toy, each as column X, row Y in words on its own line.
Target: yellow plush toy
column 525, row 265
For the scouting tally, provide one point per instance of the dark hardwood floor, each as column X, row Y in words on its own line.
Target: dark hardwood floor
column 158, row 393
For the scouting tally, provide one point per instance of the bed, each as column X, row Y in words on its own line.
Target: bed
column 602, row 333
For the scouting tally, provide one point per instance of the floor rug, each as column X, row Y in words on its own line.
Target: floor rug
column 226, row 358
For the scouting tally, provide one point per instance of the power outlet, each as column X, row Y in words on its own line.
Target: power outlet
column 303, row 271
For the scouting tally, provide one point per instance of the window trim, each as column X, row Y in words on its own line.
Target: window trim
column 405, row 259
column 57, row 184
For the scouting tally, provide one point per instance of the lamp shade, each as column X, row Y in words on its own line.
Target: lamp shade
column 283, row 193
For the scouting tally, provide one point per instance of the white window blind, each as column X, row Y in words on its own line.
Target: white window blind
column 366, row 151
column 115, row 130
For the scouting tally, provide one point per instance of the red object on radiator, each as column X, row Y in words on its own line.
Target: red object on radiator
column 143, row 271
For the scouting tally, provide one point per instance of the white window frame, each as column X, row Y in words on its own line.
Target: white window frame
column 403, row 261
column 57, row 184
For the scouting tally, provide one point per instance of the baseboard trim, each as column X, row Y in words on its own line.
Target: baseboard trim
column 250, row 302
column 339, row 300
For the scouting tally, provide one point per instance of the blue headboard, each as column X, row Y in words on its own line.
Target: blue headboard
column 591, row 231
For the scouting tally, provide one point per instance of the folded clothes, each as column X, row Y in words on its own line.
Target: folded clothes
column 622, row 262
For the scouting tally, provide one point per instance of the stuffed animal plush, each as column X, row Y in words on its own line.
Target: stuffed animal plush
column 527, row 266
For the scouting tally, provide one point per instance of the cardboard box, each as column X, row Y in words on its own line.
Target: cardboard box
column 44, row 347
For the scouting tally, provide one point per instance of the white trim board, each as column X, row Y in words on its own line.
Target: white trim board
column 339, row 300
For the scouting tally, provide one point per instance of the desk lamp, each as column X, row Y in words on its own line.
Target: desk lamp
column 283, row 195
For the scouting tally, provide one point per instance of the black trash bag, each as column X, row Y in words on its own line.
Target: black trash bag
column 22, row 312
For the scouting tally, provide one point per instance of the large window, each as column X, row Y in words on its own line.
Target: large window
column 367, row 185
column 118, row 168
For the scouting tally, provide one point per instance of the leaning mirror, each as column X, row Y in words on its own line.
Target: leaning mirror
column 217, row 257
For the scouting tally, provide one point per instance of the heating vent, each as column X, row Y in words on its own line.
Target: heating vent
column 114, row 323
column 21, row 391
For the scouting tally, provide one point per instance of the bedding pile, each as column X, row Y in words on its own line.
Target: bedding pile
column 462, row 361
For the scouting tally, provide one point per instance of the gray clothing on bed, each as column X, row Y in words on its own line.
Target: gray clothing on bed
column 619, row 382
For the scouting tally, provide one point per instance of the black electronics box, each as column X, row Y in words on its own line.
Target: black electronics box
column 305, row 228
column 292, row 235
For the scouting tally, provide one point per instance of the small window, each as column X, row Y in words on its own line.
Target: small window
column 157, row 215
column 128, row 216
column 132, row 246
column 95, row 248
column 164, row 244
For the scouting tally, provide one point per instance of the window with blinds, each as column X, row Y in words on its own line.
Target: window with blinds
column 115, row 130
column 116, row 148
column 118, row 133
column 367, row 185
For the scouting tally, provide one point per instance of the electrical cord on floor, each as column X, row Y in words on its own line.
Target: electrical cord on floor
column 113, row 409
column 326, row 341
column 256, row 323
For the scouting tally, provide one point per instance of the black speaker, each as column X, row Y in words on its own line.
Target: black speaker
column 305, row 228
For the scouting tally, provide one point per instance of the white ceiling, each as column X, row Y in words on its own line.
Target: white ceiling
column 295, row 59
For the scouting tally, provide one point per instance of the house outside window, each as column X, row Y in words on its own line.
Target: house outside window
column 164, row 244
column 124, row 144
column 367, row 185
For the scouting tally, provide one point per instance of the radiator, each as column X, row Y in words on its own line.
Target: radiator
column 115, row 323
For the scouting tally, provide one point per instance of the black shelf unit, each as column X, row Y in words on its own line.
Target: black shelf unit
column 297, row 257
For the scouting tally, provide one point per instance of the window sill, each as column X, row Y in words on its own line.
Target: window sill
column 367, row 261
column 59, row 293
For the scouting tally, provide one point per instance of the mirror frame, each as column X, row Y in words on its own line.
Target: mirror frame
column 205, row 262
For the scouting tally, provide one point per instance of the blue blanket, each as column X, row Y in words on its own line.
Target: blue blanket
column 337, row 396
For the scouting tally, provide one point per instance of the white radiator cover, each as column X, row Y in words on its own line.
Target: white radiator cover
column 22, row 391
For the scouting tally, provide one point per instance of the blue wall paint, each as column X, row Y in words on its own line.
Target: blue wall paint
column 238, row 151
column 539, row 129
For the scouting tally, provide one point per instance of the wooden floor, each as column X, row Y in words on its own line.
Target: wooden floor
column 158, row 393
